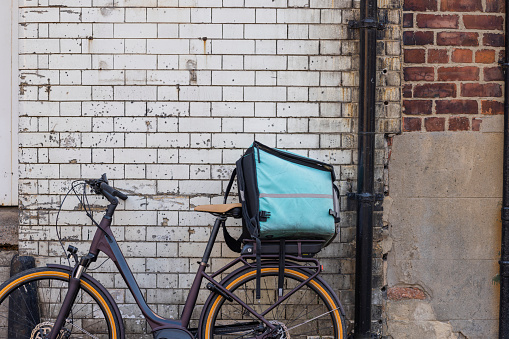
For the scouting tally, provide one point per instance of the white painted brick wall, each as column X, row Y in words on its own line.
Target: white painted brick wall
column 164, row 96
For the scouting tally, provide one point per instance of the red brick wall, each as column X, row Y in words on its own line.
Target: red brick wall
column 451, row 74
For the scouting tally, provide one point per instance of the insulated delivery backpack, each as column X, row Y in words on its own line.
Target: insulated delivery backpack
column 285, row 196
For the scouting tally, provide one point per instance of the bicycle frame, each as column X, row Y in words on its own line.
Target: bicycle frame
column 105, row 242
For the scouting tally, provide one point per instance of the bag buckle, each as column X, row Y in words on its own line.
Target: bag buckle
column 335, row 214
column 264, row 215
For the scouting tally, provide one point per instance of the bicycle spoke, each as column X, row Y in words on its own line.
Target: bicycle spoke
column 241, row 311
column 274, row 316
column 51, row 288
column 16, row 319
column 303, row 313
column 26, row 305
column 59, row 301
column 303, row 310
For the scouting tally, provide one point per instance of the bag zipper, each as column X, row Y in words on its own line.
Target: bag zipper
column 296, row 159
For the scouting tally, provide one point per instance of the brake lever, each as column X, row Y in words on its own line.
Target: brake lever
column 95, row 184
column 104, row 179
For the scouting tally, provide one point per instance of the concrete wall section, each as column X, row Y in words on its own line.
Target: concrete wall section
column 444, row 228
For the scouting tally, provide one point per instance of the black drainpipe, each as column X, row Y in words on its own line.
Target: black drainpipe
column 365, row 196
column 503, row 326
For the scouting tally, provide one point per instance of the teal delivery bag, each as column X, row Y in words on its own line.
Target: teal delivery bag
column 287, row 196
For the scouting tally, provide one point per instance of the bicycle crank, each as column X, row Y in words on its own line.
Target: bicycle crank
column 43, row 329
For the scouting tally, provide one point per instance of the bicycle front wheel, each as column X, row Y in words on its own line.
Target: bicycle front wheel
column 31, row 300
column 313, row 311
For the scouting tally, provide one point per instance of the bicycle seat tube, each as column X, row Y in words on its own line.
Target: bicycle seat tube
column 195, row 288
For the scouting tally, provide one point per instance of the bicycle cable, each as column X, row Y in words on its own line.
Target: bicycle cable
column 73, row 185
column 83, row 200
column 89, row 212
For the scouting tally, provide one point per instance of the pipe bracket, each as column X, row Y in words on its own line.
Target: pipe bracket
column 365, row 197
column 504, row 268
column 505, row 214
column 503, row 64
column 369, row 23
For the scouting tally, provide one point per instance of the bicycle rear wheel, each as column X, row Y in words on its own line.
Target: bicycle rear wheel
column 31, row 300
column 313, row 311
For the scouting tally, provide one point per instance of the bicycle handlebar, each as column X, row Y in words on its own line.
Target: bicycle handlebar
column 116, row 193
column 100, row 186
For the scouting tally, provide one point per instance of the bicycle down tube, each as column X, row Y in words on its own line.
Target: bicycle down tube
column 109, row 246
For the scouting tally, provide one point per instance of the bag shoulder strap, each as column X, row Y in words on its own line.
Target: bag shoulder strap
column 232, row 243
column 230, row 184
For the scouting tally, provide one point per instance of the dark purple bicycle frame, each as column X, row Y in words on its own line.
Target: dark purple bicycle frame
column 105, row 242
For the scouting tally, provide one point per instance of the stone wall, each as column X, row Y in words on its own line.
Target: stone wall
column 445, row 174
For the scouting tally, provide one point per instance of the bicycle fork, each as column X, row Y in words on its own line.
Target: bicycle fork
column 72, row 293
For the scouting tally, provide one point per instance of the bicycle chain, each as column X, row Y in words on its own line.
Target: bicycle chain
column 36, row 332
column 82, row 330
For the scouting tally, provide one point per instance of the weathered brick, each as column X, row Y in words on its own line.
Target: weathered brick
column 417, row 107
column 495, row 6
column 485, row 56
column 461, row 5
column 437, row 21
column 418, row 38
column 483, row 22
column 493, row 74
column 457, row 39
column 481, row 90
column 461, row 55
column 476, row 124
column 456, row 107
column 438, row 56
column 459, row 124
column 435, row 91
column 408, row 20
column 420, row 5
column 490, row 107
column 469, row 73
column 416, row 56
column 419, row 73
column 402, row 293
column 411, row 124
column 492, row 39
column 434, row 124
column 407, row 91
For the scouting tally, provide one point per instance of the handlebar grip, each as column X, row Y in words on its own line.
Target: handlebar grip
column 110, row 197
column 112, row 192
column 120, row 195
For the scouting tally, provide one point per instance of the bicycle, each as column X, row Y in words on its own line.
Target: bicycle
column 57, row 301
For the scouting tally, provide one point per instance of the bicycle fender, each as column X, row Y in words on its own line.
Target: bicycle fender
column 100, row 287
